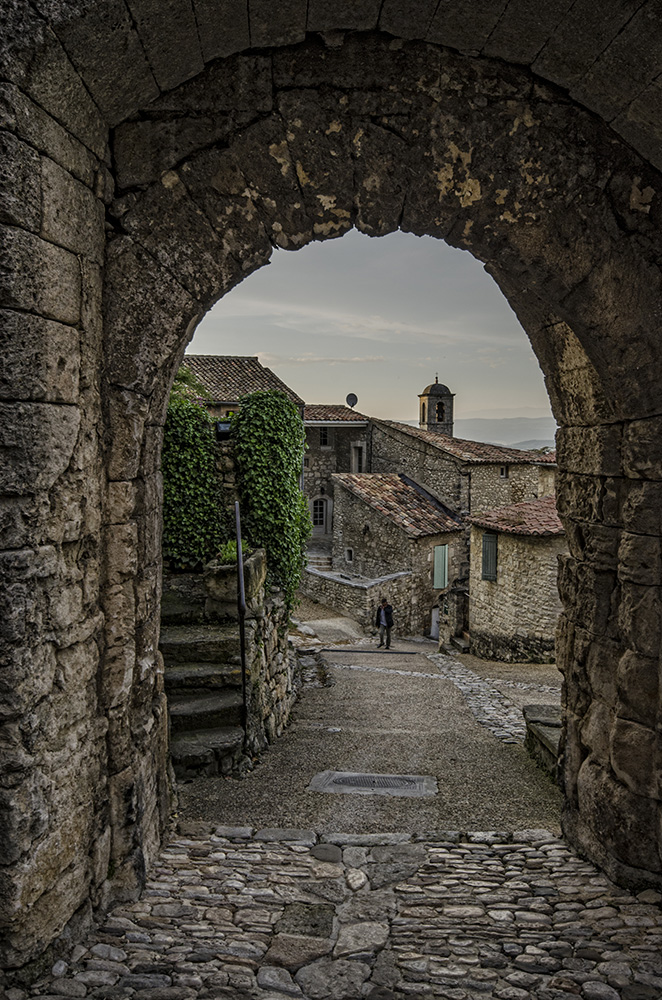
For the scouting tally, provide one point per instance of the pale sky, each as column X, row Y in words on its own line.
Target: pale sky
column 378, row 317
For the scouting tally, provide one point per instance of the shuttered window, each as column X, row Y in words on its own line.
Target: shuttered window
column 440, row 567
column 489, row 556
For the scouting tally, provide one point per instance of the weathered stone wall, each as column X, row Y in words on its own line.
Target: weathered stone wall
column 489, row 489
column 322, row 462
column 359, row 598
column 216, row 158
column 514, row 617
column 379, row 548
column 397, row 451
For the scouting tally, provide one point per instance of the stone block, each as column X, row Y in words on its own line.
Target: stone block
column 642, row 449
column 617, row 823
column 121, row 552
column 50, row 81
column 117, row 678
column 106, row 50
column 36, row 276
column 285, row 25
column 329, row 15
column 222, row 27
column 127, row 417
column 640, row 559
column 20, row 191
column 39, row 359
column 640, row 618
column 37, row 441
column 642, row 507
column 21, row 115
column 72, row 216
column 174, row 54
column 634, row 757
column 144, row 305
column 590, row 450
column 638, row 686
column 401, row 19
column 332, row 980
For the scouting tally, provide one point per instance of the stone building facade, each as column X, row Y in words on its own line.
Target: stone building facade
column 337, row 440
column 468, row 476
column 152, row 161
column 514, row 604
column 386, row 523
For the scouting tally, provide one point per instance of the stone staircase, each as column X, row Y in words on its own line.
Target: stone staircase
column 203, row 686
column 318, row 560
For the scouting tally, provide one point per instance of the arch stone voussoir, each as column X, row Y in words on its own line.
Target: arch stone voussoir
column 155, row 181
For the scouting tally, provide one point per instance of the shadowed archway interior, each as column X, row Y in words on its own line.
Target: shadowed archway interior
column 277, row 147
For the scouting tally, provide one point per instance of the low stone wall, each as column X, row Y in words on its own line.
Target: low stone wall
column 512, row 648
column 360, row 598
column 272, row 670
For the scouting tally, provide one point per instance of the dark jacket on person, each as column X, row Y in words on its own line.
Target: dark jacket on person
column 388, row 614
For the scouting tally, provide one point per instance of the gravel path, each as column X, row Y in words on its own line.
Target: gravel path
column 396, row 712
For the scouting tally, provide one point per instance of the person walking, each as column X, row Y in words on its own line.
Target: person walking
column 384, row 623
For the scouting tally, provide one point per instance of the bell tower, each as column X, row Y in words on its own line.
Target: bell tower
column 436, row 409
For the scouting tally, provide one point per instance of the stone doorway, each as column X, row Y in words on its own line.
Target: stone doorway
column 139, row 207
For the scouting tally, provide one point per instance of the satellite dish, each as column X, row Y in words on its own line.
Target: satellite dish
column 352, row 399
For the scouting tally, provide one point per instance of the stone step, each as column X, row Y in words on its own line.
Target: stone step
column 319, row 562
column 183, row 677
column 207, row 751
column 543, row 735
column 199, row 643
column 459, row 642
column 193, row 712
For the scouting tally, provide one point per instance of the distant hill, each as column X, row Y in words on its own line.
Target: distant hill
column 517, row 432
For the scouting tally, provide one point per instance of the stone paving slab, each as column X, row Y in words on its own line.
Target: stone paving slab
column 453, row 915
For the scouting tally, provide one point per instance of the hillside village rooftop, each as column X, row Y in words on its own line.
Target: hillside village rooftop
column 227, row 378
column 531, row 517
column 401, row 500
column 473, row 451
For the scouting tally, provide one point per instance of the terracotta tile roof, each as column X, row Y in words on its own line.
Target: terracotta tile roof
column 228, row 378
column 474, row 451
column 401, row 500
column 532, row 517
column 331, row 413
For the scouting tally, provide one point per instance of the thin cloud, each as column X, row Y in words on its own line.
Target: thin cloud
column 315, row 359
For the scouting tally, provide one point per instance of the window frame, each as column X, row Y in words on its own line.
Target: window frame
column 489, row 553
column 440, row 566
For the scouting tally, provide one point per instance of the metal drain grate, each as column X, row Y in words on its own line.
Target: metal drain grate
column 411, row 785
column 375, row 781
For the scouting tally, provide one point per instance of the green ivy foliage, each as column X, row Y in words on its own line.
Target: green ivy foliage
column 269, row 440
column 193, row 521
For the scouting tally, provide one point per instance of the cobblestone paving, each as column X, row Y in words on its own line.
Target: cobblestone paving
column 490, row 707
column 273, row 914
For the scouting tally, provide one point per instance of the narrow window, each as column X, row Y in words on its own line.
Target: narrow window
column 324, row 437
column 306, row 462
column 440, row 567
column 503, row 472
column 489, row 556
column 357, row 459
column 422, row 413
column 319, row 513
column 349, row 555
column 441, row 413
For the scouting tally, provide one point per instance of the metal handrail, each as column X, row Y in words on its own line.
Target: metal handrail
column 241, row 608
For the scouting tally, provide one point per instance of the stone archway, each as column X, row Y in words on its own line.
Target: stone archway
column 278, row 148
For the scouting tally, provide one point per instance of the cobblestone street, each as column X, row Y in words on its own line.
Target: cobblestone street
column 273, row 914
column 266, row 913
